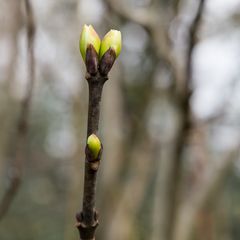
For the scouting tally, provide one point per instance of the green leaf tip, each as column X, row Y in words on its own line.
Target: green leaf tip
column 88, row 37
column 94, row 145
column 113, row 40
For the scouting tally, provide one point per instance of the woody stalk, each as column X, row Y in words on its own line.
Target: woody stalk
column 99, row 57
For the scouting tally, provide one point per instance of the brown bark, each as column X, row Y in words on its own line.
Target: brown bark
column 88, row 218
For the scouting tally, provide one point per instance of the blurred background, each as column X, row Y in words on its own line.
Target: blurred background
column 170, row 120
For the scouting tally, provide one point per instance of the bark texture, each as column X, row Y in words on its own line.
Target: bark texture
column 88, row 218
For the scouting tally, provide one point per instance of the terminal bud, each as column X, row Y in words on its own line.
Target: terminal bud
column 89, row 45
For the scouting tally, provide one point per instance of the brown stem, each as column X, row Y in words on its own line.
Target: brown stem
column 88, row 219
column 95, row 85
column 22, row 124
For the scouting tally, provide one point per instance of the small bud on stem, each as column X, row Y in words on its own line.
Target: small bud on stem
column 94, row 145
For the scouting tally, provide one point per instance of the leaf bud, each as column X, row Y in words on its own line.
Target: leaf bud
column 109, row 51
column 94, row 145
column 89, row 45
column 112, row 39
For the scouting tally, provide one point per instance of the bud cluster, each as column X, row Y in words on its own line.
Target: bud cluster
column 97, row 54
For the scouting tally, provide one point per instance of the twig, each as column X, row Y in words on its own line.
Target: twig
column 185, row 122
column 88, row 218
column 22, row 124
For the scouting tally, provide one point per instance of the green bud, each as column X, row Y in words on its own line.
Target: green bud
column 113, row 40
column 94, row 145
column 89, row 37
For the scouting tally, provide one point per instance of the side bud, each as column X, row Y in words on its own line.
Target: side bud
column 94, row 145
column 110, row 49
column 89, row 45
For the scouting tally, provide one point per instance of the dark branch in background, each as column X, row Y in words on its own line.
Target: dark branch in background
column 193, row 31
column 185, row 122
column 22, row 124
column 152, row 20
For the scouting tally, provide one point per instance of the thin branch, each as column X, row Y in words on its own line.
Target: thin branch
column 87, row 220
column 193, row 31
column 22, row 124
column 185, row 123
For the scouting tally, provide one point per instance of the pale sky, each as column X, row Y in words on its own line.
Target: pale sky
column 216, row 60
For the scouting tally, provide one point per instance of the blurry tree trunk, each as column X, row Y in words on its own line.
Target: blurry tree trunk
column 185, row 123
column 75, row 179
column 131, row 195
column 161, row 193
column 112, row 125
column 207, row 192
column 9, row 32
column 10, row 29
column 158, row 222
column 22, row 123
